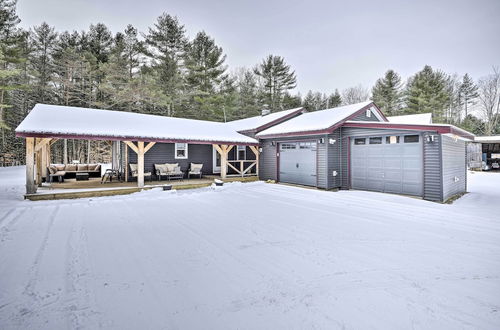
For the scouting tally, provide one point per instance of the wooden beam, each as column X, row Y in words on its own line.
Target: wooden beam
column 126, row 162
column 149, row 146
column 234, row 168
column 40, row 143
column 255, row 150
column 30, row 166
column 44, row 161
column 249, row 168
column 38, row 159
column 219, row 150
column 140, row 164
column 132, row 146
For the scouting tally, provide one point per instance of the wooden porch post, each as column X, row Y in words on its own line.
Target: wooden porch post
column 30, row 166
column 140, row 164
column 255, row 150
column 223, row 151
column 140, row 150
column 126, row 162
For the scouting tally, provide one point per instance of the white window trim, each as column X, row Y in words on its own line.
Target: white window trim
column 176, row 148
column 241, row 148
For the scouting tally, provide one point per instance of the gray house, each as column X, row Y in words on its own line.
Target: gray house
column 349, row 147
column 356, row 147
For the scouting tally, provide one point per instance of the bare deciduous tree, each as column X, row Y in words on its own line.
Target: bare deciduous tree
column 489, row 100
column 354, row 95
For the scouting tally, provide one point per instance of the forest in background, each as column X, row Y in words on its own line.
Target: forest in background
column 163, row 71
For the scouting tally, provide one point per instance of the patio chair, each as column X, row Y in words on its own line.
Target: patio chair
column 195, row 169
column 134, row 172
column 171, row 171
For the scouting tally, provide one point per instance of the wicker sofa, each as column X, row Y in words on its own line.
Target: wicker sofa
column 61, row 171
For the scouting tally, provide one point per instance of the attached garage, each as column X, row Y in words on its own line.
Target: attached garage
column 297, row 162
column 356, row 147
column 388, row 163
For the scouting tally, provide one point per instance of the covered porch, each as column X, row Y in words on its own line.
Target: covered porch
column 131, row 145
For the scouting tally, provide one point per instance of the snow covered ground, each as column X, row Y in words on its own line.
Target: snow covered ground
column 250, row 256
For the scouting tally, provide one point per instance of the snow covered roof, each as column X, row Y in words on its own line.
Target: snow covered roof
column 73, row 122
column 488, row 139
column 317, row 121
column 259, row 122
column 421, row 118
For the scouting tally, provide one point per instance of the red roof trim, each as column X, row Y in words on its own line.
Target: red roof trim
column 127, row 138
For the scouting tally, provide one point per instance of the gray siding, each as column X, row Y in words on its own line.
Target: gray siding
column 334, row 160
column 454, row 166
column 164, row 153
column 322, row 163
column 267, row 161
column 364, row 117
column 433, row 183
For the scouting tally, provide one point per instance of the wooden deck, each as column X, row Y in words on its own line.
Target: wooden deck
column 71, row 188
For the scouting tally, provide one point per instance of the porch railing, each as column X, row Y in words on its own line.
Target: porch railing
column 242, row 167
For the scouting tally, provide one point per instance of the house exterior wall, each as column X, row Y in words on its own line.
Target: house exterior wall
column 364, row 117
column 433, row 184
column 164, row 153
column 444, row 159
column 334, row 160
column 454, row 166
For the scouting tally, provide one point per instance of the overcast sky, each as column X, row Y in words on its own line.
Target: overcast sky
column 330, row 44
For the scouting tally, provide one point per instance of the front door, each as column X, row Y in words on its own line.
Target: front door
column 215, row 161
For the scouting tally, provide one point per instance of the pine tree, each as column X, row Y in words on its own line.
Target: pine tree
column 167, row 43
column 10, row 59
column 205, row 64
column 468, row 92
column 43, row 39
column 277, row 77
column 314, row 101
column 334, row 100
column 247, row 94
column 426, row 92
column 387, row 93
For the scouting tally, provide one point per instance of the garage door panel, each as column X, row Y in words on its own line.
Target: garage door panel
column 393, row 187
column 394, row 163
column 298, row 163
column 395, row 168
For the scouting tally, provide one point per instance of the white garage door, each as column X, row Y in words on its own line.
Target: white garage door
column 385, row 163
column 298, row 163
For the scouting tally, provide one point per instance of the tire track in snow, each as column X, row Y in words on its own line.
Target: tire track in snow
column 6, row 225
column 34, row 302
column 78, row 307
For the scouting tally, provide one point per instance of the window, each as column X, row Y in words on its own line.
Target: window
column 287, row 146
column 241, row 153
column 376, row 140
column 368, row 113
column 411, row 138
column 181, row 151
column 307, row 145
column 391, row 139
column 359, row 141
